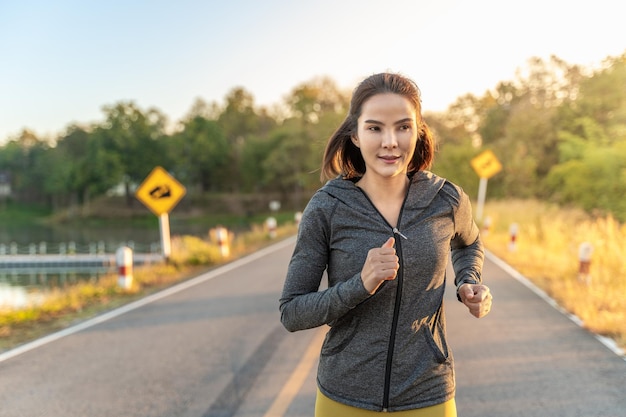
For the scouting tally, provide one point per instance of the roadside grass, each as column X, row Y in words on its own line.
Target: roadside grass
column 16, row 215
column 546, row 252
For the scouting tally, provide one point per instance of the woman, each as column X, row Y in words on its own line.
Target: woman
column 383, row 229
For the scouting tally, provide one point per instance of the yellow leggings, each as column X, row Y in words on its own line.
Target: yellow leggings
column 325, row 407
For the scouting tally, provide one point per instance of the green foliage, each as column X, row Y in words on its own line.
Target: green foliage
column 451, row 163
column 591, row 172
column 22, row 160
column 558, row 130
column 595, row 180
column 200, row 153
column 17, row 214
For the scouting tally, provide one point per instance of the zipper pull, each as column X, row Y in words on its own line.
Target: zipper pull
column 396, row 231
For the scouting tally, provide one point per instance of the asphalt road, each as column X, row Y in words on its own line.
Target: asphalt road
column 214, row 347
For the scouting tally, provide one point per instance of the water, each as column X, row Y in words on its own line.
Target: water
column 111, row 234
column 22, row 286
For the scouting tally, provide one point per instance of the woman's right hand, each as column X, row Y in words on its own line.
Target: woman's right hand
column 380, row 265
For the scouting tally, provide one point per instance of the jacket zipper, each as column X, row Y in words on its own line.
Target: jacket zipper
column 396, row 308
column 394, row 322
column 397, row 232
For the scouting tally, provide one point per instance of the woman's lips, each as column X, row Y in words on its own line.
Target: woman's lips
column 389, row 158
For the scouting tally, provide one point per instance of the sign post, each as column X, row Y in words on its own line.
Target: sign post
column 160, row 192
column 486, row 166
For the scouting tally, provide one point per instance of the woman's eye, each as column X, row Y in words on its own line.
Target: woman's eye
column 373, row 128
column 405, row 127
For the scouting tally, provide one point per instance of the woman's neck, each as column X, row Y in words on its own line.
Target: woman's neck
column 387, row 195
column 384, row 188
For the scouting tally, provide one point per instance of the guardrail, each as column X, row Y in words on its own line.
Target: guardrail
column 73, row 248
column 43, row 256
column 48, row 262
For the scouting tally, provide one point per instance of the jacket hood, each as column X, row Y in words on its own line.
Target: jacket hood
column 423, row 188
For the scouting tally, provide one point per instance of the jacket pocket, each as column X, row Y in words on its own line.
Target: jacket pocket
column 436, row 341
column 339, row 336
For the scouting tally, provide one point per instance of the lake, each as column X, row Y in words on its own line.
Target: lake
column 18, row 286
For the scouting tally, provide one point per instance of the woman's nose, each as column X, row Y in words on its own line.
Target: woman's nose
column 389, row 140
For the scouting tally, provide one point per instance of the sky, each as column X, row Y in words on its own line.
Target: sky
column 61, row 61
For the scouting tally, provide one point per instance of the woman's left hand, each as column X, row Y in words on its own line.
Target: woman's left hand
column 477, row 298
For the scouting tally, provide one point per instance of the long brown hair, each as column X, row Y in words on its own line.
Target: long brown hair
column 342, row 157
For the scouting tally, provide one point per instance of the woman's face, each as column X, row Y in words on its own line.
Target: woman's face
column 387, row 134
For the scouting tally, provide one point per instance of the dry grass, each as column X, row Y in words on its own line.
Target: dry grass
column 546, row 252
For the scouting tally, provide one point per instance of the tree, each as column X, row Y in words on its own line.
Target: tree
column 591, row 172
column 66, row 182
column 201, row 108
column 496, row 114
column 311, row 100
column 594, row 181
column 102, row 168
column 200, row 154
column 239, row 120
column 135, row 138
column 22, row 157
column 316, row 109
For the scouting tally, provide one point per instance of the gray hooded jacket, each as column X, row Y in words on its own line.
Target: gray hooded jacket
column 385, row 351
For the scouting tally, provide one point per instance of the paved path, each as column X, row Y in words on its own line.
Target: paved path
column 213, row 347
column 526, row 358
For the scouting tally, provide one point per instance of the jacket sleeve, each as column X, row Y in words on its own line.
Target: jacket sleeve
column 302, row 304
column 467, row 248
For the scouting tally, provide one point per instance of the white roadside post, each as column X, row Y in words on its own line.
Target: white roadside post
column 487, row 226
column 584, row 263
column 124, row 263
column 164, row 230
column 513, row 230
column 271, row 227
column 223, row 241
column 271, row 223
column 482, row 194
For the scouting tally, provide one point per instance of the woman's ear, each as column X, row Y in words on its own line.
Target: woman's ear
column 355, row 140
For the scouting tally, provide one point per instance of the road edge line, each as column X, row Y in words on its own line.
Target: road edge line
column 607, row 342
column 296, row 379
column 146, row 300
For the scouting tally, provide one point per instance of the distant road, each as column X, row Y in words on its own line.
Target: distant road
column 214, row 347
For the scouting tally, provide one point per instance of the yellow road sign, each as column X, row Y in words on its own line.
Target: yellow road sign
column 486, row 164
column 160, row 192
